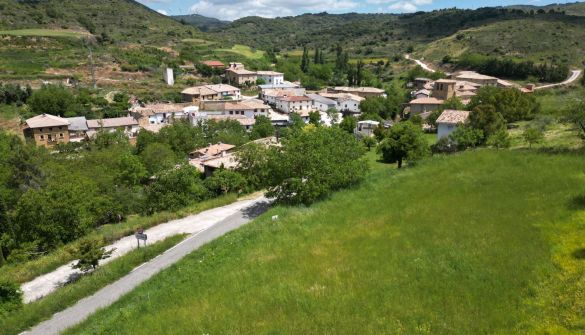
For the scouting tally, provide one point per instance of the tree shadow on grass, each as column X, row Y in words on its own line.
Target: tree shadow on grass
column 579, row 254
column 577, row 203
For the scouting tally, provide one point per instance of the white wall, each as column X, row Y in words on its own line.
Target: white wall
column 350, row 105
column 444, row 130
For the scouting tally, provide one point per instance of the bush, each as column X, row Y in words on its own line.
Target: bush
column 174, row 189
column 225, row 181
column 10, row 296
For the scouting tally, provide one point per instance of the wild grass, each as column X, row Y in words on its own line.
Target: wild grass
column 35, row 312
column 483, row 242
column 24, row 272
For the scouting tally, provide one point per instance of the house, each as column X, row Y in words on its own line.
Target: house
column 241, row 77
column 422, row 93
column 449, row 121
column 270, row 77
column 212, row 150
column 364, row 92
column 47, row 130
column 444, row 89
column 227, row 161
column 127, row 124
column 477, row 78
column 293, row 104
column 161, row 113
column 77, row 128
column 366, row 128
column 422, row 105
column 236, row 66
column 279, row 119
column 271, row 95
column 346, row 103
column 211, row 92
column 249, row 108
column 285, row 85
column 214, row 64
column 322, row 103
column 420, row 83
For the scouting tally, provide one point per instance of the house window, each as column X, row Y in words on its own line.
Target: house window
column 231, row 112
column 42, row 137
column 61, row 135
column 51, row 129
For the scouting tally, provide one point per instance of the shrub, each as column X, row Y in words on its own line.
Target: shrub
column 10, row 296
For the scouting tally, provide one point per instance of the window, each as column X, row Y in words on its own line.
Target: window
column 61, row 135
column 42, row 137
column 51, row 129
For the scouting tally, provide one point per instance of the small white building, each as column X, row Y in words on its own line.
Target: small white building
column 271, row 95
column 346, row 103
column 449, row 121
column 294, row 104
column 322, row 103
column 169, row 76
column 366, row 128
column 271, row 77
column 127, row 124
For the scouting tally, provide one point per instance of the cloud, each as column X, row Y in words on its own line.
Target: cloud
column 402, row 6
column 163, row 12
column 234, row 9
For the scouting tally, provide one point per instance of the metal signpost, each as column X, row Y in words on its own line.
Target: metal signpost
column 140, row 235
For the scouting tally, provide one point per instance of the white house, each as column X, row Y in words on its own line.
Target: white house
column 322, row 103
column 449, row 121
column 271, row 95
column 127, row 124
column 294, row 104
column 271, row 77
column 366, row 128
column 161, row 113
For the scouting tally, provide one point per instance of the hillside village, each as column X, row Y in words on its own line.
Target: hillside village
column 357, row 173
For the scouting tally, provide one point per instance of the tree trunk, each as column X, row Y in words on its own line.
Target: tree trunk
column 400, row 163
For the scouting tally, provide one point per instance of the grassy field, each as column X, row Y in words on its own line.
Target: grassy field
column 24, row 272
column 484, row 242
column 245, row 51
column 40, row 310
column 44, row 33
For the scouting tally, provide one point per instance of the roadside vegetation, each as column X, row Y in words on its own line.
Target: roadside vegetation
column 28, row 315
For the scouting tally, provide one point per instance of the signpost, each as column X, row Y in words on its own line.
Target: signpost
column 140, row 235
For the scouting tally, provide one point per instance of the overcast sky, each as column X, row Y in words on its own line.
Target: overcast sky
column 234, row 9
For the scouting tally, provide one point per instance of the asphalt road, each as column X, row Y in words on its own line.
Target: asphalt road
column 111, row 293
column 575, row 74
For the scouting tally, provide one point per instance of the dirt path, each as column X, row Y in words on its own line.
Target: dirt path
column 575, row 74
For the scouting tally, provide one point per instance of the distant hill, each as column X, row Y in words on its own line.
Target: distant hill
column 119, row 20
column 203, row 23
column 576, row 8
column 384, row 35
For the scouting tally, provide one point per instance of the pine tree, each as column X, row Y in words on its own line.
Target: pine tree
column 316, row 59
column 305, row 60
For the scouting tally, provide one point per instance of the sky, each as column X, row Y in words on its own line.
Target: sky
column 233, row 9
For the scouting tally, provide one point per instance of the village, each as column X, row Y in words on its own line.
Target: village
column 276, row 99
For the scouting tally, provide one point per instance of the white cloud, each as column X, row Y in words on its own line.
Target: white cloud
column 403, row 6
column 234, row 9
column 163, row 12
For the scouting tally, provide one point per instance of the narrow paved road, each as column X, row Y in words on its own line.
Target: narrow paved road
column 575, row 74
column 47, row 283
column 109, row 294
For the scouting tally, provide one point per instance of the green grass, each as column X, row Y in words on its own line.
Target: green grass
column 24, row 272
column 245, row 51
column 483, row 242
column 43, row 33
column 35, row 312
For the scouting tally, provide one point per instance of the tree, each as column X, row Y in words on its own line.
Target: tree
column 453, row 103
column 262, row 128
column 175, row 188
column 157, row 157
column 305, row 62
column 533, row 135
column 253, row 162
column 225, row 181
column 576, row 115
column 487, row 119
column 466, row 137
column 314, row 163
column 89, row 253
column 405, row 140
column 499, row 140
column 349, row 123
column 315, row 118
column 369, row 142
column 512, row 104
column 105, row 139
column 54, row 100
column 131, row 170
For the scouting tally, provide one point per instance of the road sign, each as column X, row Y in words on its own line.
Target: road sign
column 141, row 236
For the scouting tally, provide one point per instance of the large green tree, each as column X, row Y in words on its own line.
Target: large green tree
column 313, row 163
column 512, row 104
column 55, row 100
column 404, row 141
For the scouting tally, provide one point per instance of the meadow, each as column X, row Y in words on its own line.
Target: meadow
column 482, row 242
